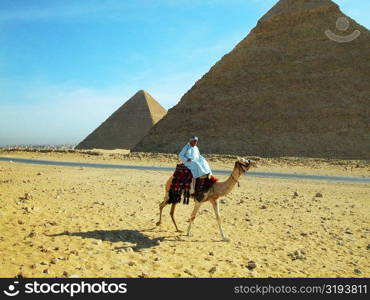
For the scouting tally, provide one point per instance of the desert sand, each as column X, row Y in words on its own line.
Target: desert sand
column 85, row 222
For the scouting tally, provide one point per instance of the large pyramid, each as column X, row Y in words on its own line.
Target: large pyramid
column 127, row 125
column 285, row 90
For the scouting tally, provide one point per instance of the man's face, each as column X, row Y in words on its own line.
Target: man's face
column 193, row 143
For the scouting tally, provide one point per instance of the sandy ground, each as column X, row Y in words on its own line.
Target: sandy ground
column 84, row 222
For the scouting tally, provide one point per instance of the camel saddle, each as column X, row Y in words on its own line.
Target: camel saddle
column 180, row 185
column 203, row 185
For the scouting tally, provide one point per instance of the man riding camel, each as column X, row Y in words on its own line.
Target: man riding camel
column 192, row 159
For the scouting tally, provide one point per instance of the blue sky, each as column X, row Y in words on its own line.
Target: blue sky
column 65, row 66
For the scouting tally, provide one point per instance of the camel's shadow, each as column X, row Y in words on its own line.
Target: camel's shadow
column 140, row 240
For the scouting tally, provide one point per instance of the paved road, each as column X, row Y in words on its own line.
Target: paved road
column 347, row 179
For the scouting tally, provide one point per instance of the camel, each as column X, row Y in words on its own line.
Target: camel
column 218, row 190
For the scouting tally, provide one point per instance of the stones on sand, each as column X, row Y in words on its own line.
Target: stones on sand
column 298, row 254
column 32, row 234
column 212, row 270
column 66, row 274
column 251, row 265
column 75, row 252
column 187, row 271
column 43, row 249
column 26, row 196
column 128, row 249
column 119, row 250
column 318, row 195
column 54, row 260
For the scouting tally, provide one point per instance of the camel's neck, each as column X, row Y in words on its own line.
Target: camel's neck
column 227, row 186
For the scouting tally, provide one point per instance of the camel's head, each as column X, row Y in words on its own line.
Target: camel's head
column 245, row 164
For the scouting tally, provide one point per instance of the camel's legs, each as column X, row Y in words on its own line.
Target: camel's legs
column 172, row 212
column 161, row 206
column 193, row 214
column 218, row 218
column 164, row 203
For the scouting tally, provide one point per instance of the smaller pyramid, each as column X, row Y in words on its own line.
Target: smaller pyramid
column 127, row 125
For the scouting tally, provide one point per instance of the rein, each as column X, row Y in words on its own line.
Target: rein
column 232, row 176
column 237, row 181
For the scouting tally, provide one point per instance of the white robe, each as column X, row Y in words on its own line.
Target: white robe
column 198, row 164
